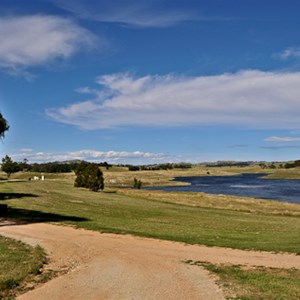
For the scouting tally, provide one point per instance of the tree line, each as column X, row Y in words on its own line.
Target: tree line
column 156, row 167
column 49, row 167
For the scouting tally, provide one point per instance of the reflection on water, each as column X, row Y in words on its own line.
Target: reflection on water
column 248, row 185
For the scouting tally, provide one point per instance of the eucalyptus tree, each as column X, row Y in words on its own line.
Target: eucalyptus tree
column 9, row 166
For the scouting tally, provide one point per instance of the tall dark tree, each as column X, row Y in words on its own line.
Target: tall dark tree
column 89, row 175
column 3, row 126
column 80, row 173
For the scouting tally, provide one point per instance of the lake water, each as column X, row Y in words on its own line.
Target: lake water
column 249, row 185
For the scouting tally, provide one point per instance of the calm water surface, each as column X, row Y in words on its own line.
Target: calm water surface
column 249, row 185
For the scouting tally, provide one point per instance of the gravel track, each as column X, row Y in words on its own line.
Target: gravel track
column 110, row 266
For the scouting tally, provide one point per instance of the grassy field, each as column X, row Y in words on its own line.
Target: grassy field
column 259, row 283
column 195, row 218
column 18, row 262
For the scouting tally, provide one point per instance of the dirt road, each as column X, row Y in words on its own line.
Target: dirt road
column 109, row 266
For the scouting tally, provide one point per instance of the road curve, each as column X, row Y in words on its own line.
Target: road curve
column 110, row 266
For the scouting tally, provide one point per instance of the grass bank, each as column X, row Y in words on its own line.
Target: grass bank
column 259, row 283
column 20, row 264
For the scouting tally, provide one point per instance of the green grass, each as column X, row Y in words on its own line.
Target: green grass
column 244, row 283
column 18, row 262
column 195, row 218
column 192, row 218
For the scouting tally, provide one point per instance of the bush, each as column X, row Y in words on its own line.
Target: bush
column 89, row 175
column 137, row 184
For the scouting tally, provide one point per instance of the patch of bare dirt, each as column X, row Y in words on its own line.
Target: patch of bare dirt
column 109, row 266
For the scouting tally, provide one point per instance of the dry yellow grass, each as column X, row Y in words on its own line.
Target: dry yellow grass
column 217, row 201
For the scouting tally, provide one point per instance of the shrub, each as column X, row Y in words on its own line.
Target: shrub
column 137, row 184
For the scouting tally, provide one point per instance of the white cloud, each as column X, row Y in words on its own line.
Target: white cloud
column 292, row 52
column 27, row 150
column 142, row 13
column 87, row 90
column 285, row 139
column 39, row 39
column 238, row 146
column 280, row 147
column 91, row 155
column 253, row 99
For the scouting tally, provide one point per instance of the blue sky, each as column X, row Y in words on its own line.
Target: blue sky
column 153, row 81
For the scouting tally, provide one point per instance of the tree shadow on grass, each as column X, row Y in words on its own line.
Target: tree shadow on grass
column 8, row 196
column 26, row 216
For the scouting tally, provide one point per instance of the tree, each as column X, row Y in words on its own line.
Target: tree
column 289, row 165
column 80, row 180
column 24, row 165
column 9, row 166
column 106, row 165
column 89, row 175
column 133, row 168
column 3, row 126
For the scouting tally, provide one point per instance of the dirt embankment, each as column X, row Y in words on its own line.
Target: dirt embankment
column 109, row 266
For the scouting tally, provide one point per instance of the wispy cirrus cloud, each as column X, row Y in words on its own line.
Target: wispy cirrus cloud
column 35, row 40
column 289, row 53
column 285, row 147
column 253, row 99
column 142, row 13
column 238, row 146
column 90, row 155
column 284, row 139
